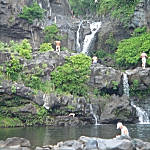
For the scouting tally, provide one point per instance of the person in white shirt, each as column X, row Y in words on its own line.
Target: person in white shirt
column 124, row 130
column 143, row 56
column 94, row 59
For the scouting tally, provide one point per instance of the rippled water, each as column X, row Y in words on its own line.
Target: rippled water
column 51, row 135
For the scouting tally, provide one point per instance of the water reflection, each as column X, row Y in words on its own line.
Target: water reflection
column 51, row 135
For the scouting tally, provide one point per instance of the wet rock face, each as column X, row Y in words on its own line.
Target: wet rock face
column 141, row 15
column 117, row 109
column 139, row 78
column 105, row 78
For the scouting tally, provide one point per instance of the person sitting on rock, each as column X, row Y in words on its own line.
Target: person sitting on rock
column 124, row 130
column 94, row 59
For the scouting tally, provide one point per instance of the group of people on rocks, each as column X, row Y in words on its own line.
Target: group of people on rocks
column 143, row 55
column 143, row 58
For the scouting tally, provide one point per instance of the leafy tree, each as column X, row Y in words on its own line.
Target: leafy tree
column 32, row 12
column 51, row 34
column 13, row 68
column 129, row 50
column 73, row 75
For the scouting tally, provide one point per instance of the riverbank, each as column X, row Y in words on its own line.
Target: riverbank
column 83, row 143
column 39, row 136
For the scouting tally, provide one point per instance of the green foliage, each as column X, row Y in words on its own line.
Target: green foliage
column 82, row 7
column 101, row 54
column 121, row 9
column 10, row 122
column 111, row 42
column 51, row 34
column 3, row 46
column 36, row 83
column 24, row 48
column 32, row 12
column 46, row 47
column 129, row 50
column 73, row 75
column 13, row 89
column 13, row 68
column 115, row 85
column 138, row 31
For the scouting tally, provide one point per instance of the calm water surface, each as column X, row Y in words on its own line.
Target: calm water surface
column 39, row 136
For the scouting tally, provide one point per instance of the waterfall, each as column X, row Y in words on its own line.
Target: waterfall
column 32, row 35
column 46, row 101
column 94, row 27
column 78, row 48
column 143, row 116
column 125, row 84
column 93, row 114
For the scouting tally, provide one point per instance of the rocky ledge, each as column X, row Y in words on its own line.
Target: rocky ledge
column 83, row 143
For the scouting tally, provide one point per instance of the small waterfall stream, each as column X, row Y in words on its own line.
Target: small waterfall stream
column 94, row 115
column 94, row 27
column 143, row 116
column 78, row 37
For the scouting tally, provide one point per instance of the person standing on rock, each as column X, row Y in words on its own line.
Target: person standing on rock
column 57, row 46
column 143, row 57
column 124, row 130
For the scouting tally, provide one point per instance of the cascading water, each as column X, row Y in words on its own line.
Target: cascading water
column 143, row 116
column 46, row 101
column 78, row 37
column 125, row 84
column 94, row 27
column 93, row 114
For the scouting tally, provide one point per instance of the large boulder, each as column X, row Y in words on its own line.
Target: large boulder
column 15, row 143
column 105, row 78
column 117, row 109
column 93, row 143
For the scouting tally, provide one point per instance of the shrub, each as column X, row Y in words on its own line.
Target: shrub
column 32, row 12
column 24, row 48
column 46, row 47
column 73, row 75
column 13, row 68
column 129, row 50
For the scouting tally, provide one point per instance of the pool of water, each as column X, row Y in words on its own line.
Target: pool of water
column 39, row 136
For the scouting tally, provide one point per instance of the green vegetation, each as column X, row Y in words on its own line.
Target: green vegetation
column 11, row 116
column 24, row 48
column 120, row 9
column 32, row 12
column 51, row 34
column 129, row 50
column 81, row 7
column 73, row 75
column 13, row 68
column 112, row 43
column 46, row 47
